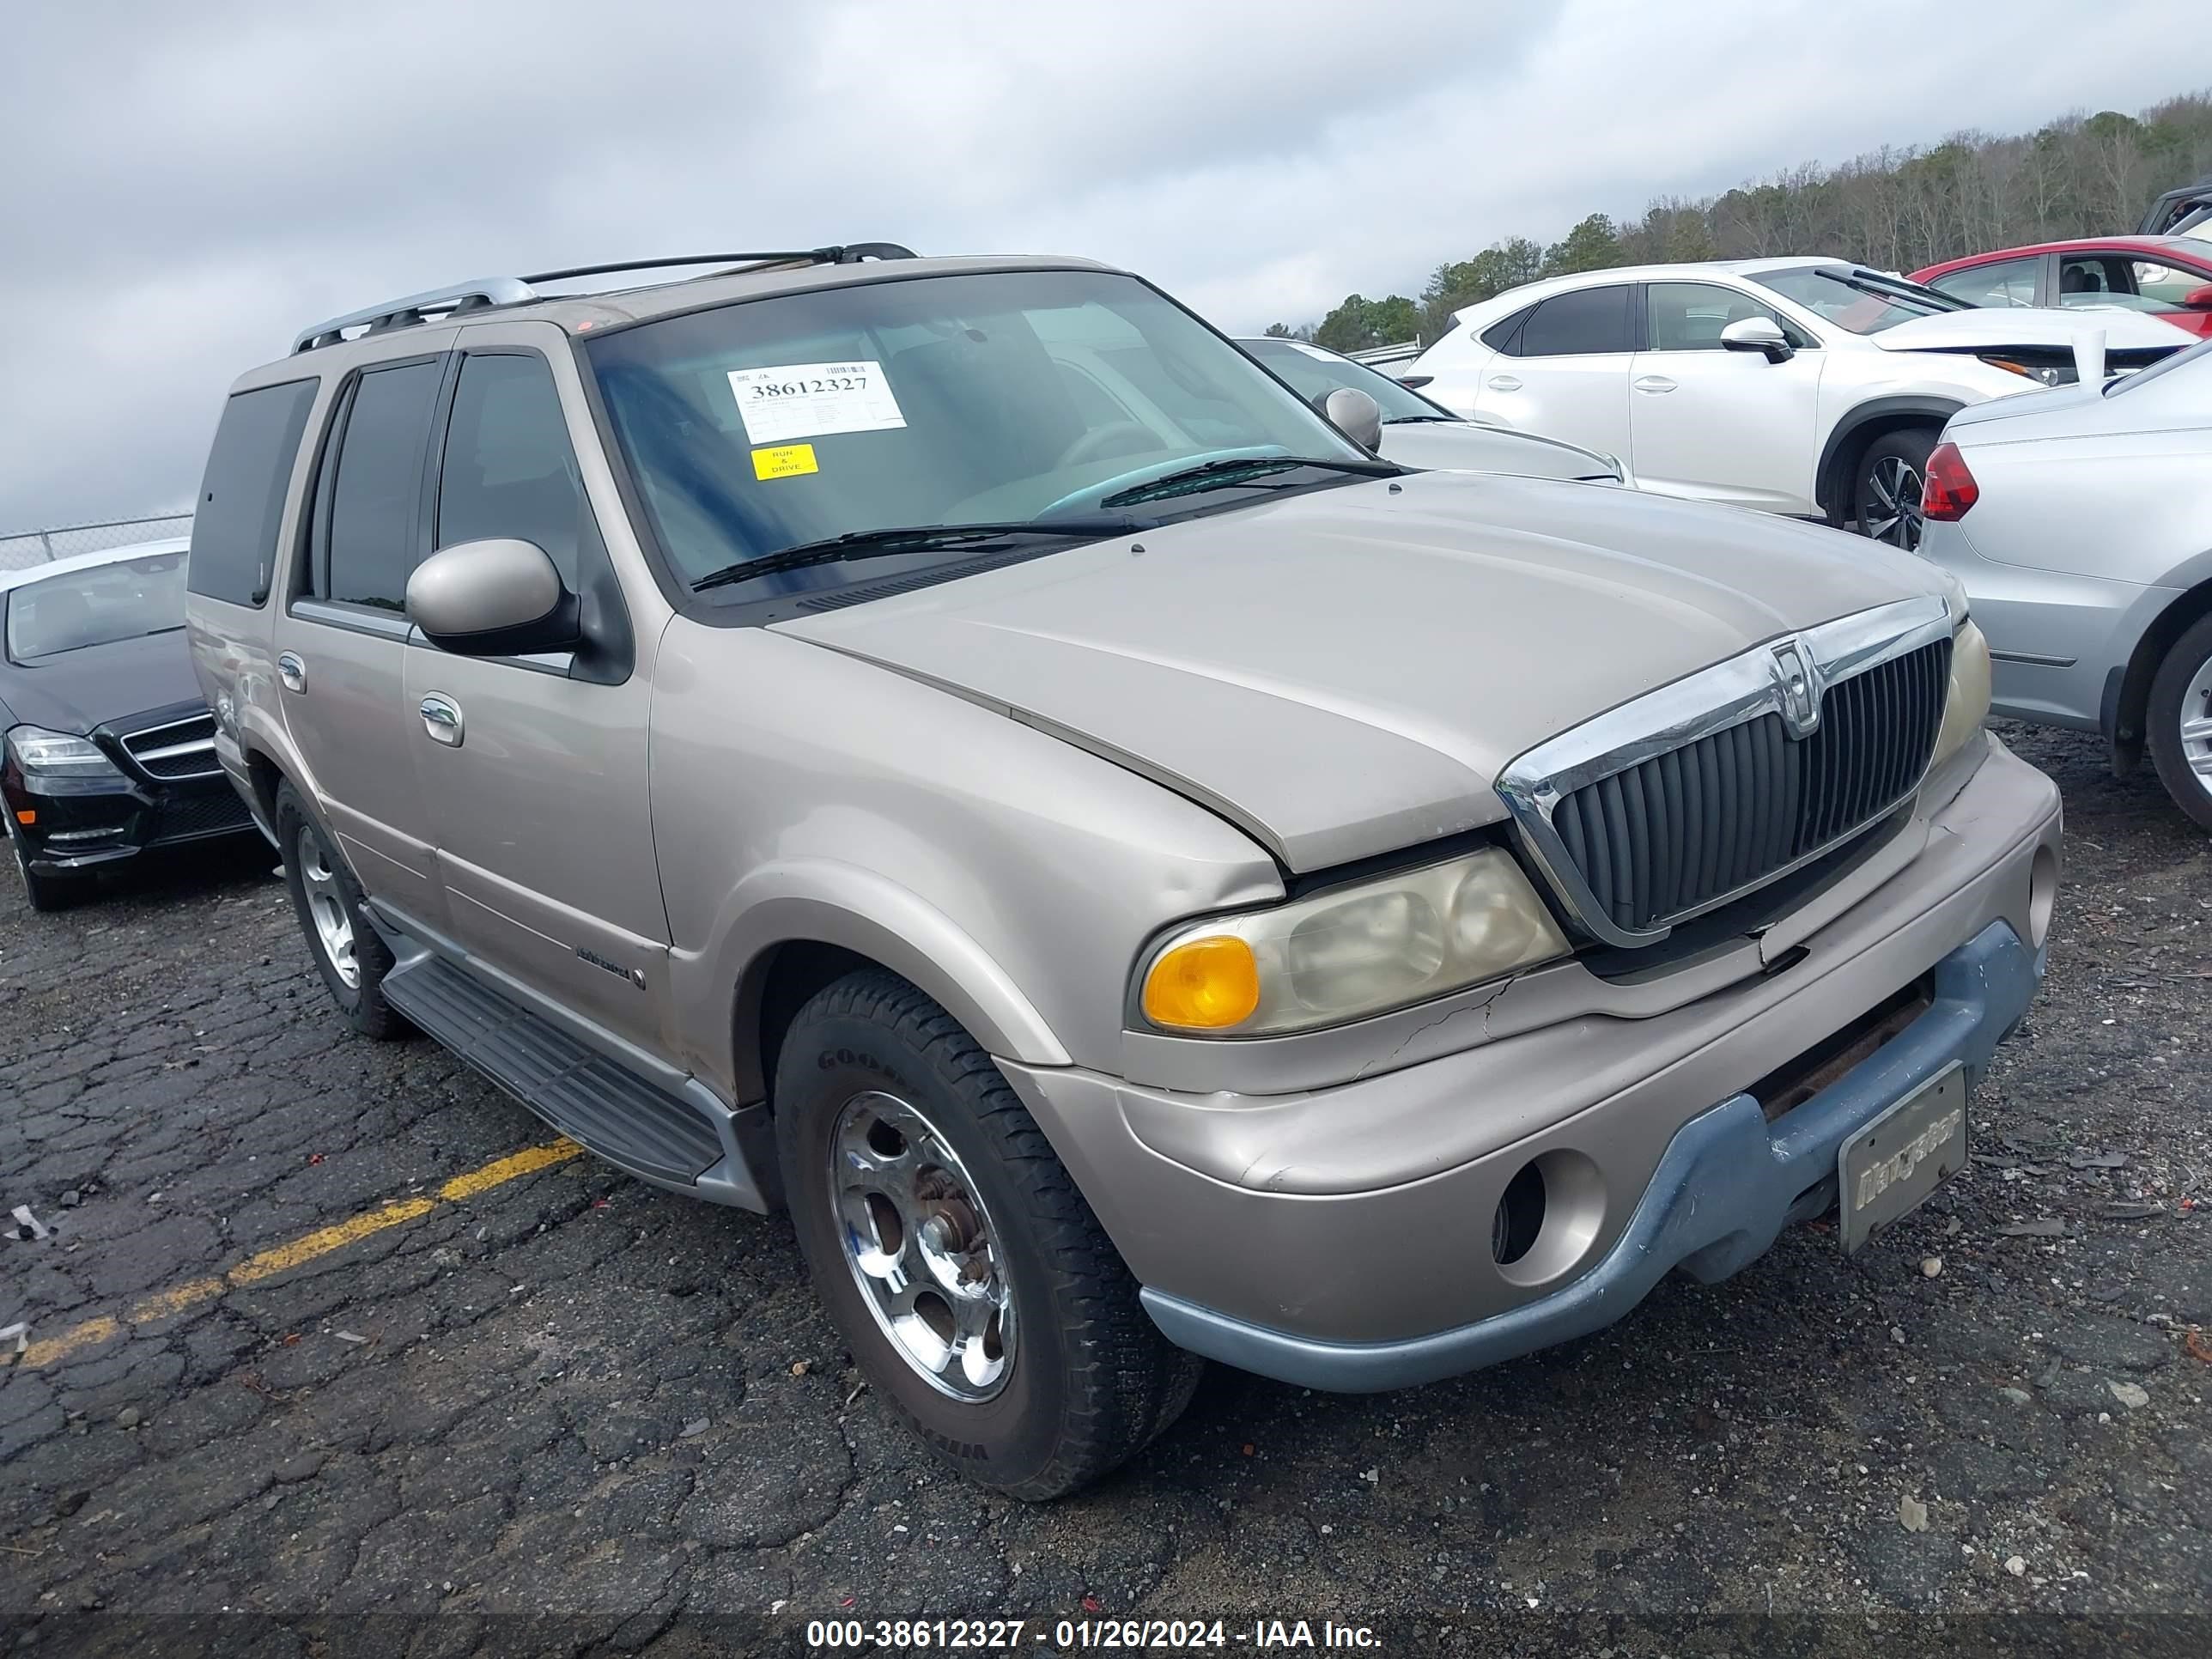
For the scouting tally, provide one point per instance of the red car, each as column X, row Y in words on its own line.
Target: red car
column 2169, row 276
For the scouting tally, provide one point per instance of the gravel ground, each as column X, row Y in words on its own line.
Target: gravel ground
column 619, row 1412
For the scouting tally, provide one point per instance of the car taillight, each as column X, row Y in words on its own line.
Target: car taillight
column 1949, row 489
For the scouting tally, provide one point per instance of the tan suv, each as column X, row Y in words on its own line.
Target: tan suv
column 956, row 749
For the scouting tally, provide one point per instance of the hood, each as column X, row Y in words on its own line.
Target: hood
column 1344, row 673
column 77, row 690
column 1994, row 328
column 1466, row 445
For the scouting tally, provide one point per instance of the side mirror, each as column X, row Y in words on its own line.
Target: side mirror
column 1760, row 334
column 1356, row 415
column 492, row 599
column 2198, row 299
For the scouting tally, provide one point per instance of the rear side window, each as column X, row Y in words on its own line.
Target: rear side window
column 1503, row 337
column 241, row 502
column 509, row 469
column 376, row 482
column 1587, row 321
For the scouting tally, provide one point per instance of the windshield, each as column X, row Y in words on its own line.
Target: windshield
column 1314, row 373
column 1857, row 299
column 991, row 399
column 96, row 605
column 2165, row 366
column 2197, row 224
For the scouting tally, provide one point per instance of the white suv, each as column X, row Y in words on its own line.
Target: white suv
column 1805, row 386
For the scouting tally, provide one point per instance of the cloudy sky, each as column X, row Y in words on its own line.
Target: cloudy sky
column 185, row 186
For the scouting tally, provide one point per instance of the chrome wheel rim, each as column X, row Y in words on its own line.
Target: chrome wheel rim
column 921, row 1246
column 1891, row 511
column 327, row 909
column 2197, row 725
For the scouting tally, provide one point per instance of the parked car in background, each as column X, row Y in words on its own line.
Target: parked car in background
column 1139, row 876
column 109, row 748
column 2078, row 521
column 2185, row 211
column 1418, row 432
column 2168, row 277
column 1805, row 386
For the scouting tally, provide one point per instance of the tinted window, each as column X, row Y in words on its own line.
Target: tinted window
column 96, row 605
column 2005, row 282
column 509, row 470
column 1500, row 336
column 242, row 495
column 375, row 484
column 1571, row 324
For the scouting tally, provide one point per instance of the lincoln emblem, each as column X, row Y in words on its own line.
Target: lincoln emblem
column 1800, row 686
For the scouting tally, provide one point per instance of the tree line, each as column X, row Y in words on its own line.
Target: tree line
column 1895, row 209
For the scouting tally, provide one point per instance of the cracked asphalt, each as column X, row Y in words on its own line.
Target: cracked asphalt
column 585, row 1414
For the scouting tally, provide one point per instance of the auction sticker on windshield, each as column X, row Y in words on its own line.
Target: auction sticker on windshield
column 807, row 400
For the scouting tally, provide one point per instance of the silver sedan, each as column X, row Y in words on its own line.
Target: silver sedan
column 2079, row 520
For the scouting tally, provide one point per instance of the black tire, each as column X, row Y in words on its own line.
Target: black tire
column 2187, row 661
column 1091, row 1380
column 47, row 893
column 363, row 1002
column 1891, row 459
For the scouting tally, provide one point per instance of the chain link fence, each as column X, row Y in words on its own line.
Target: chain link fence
column 35, row 547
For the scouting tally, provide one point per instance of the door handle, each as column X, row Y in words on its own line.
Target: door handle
column 1503, row 383
column 1654, row 383
column 291, row 672
column 442, row 721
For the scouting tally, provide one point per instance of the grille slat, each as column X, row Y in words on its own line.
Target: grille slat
column 1672, row 834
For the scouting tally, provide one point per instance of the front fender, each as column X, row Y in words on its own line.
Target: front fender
column 824, row 901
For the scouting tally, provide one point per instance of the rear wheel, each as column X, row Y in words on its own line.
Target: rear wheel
column 962, row 1267
column 350, row 954
column 2180, row 721
column 1886, row 499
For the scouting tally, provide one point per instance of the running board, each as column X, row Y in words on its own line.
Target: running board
column 689, row 1142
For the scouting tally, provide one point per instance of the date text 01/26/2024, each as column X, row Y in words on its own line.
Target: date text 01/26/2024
column 1083, row 1635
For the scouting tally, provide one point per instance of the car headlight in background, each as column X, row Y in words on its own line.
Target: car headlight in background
column 41, row 753
column 1351, row 953
column 1968, row 705
column 2041, row 373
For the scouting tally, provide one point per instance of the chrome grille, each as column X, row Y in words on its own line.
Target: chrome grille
column 182, row 749
column 1674, row 805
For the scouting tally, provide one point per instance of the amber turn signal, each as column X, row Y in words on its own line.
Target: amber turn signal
column 1203, row 984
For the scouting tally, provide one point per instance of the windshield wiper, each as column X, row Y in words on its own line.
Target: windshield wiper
column 1418, row 420
column 1231, row 469
column 909, row 539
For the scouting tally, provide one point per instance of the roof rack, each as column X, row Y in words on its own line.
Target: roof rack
column 487, row 291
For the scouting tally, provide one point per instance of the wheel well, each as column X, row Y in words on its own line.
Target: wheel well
column 1835, row 487
column 2132, row 715
column 776, row 987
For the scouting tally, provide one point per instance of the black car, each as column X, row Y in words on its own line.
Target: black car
column 109, row 747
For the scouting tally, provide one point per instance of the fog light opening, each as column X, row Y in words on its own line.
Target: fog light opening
column 2042, row 896
column 1519, row 1218
column 1548, row 1218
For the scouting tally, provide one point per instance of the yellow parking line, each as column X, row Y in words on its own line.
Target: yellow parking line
column 283, row 1258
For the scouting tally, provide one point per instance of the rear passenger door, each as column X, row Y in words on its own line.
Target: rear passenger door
column 534, row 769
column 1563, row 373
column 341, row 641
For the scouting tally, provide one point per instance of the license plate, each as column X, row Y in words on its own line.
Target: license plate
column 1888, row 1168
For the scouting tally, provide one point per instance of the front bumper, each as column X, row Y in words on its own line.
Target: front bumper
column 1645, row 1128
column 105, row 821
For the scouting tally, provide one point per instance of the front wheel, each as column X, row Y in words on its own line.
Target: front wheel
column 47, row 893
column 350, row 954
column 963, row 1269
column 2180, row 721
column 1885, row 498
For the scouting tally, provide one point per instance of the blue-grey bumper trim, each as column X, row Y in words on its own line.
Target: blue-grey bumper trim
column 1726, row 1186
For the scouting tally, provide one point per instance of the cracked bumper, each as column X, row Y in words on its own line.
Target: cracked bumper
column 1376, row 1271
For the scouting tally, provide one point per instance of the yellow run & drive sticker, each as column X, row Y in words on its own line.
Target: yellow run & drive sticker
column 784, row 461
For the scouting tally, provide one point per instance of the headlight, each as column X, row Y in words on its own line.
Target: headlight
column 56, row 754
column 1354, row 952
column 2041, row 373
column 1968, row 704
